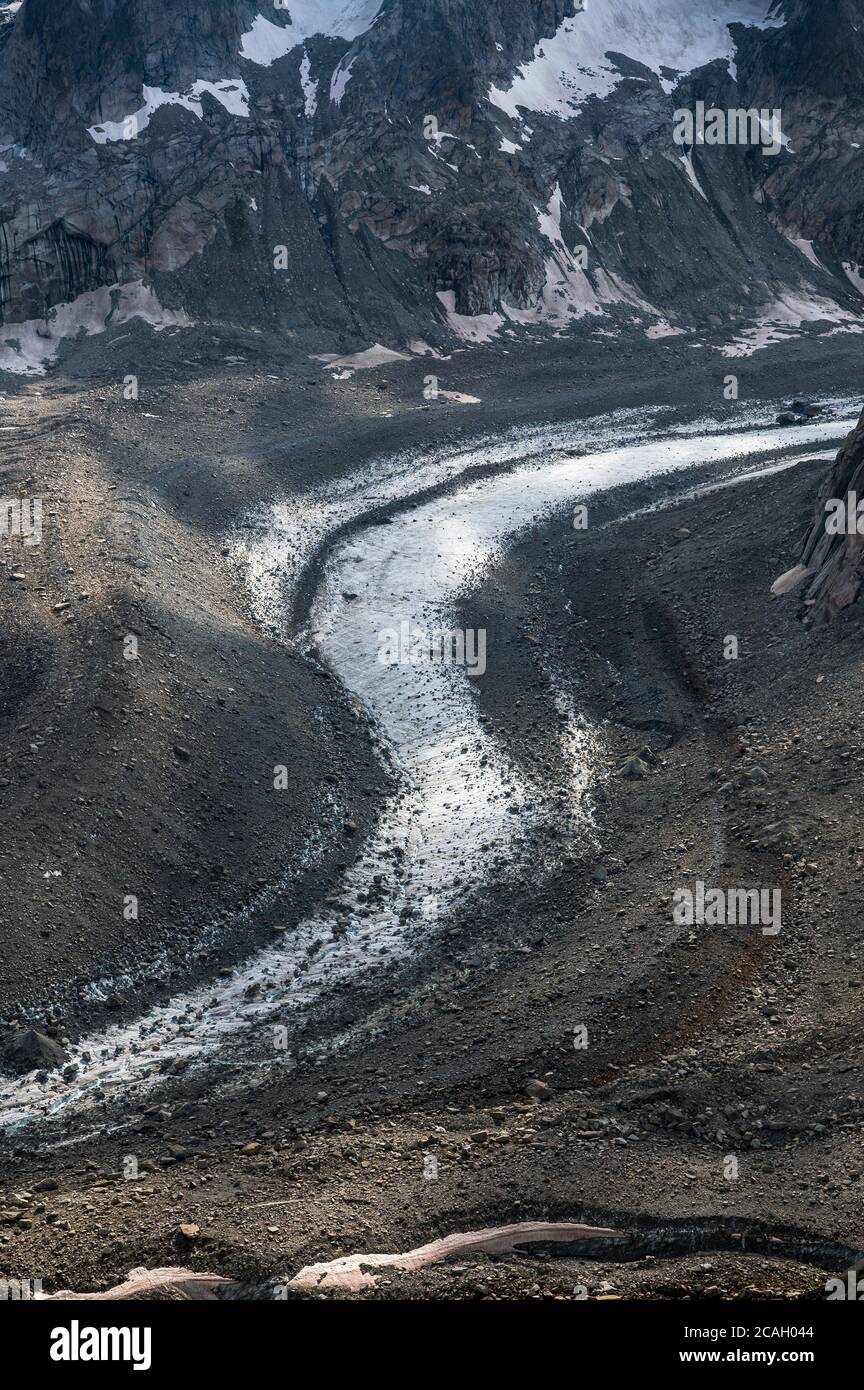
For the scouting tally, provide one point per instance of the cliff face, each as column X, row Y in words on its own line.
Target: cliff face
column 430, row 167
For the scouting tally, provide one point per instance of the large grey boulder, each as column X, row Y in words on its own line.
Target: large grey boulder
column 26, row 1049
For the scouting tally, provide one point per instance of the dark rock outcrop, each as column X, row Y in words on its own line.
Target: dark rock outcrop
column 835, row 562
column 26, row 1049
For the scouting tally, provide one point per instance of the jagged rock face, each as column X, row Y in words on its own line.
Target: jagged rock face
column 65, row 63
column 836, row 562
column 422, row 162
column 812, row 68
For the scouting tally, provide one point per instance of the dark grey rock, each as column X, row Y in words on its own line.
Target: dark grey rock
column 26, row 1049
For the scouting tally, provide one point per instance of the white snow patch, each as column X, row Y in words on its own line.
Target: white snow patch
column 845, row 328
column 663, row 329
column 339, row 81
column 29, row 348
column 573, row 65
column 310, row 87
column 806, row 249
column 231, row 92
column 459, row 397
column 421, row 188
column 421, row 348
column 265, row 42
column 471, row 328
column 352, row 1271
column 375, row 356
column 687, row 161
column 509, row 147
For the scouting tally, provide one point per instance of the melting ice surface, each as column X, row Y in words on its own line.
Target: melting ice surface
column 457, row 792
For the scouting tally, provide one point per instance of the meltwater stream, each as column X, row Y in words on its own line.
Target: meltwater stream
column 461, row 809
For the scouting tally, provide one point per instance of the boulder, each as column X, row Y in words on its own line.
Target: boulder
column 26, row 1049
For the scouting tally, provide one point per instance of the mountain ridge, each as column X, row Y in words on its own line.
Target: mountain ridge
column 174, row 148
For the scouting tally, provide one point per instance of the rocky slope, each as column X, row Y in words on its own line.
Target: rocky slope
column 337, row 173
column 729, row 1043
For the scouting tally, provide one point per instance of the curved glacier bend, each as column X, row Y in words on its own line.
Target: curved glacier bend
column 456, row 789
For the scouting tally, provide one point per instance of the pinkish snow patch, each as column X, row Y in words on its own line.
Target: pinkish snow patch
column 348, row 1272
column 471, row 328
column 783, row 318
column 29, row 348
column 663, row 330
column 140, row 1282
column 459, row 397
column 375, row 356
column 351, row 1271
